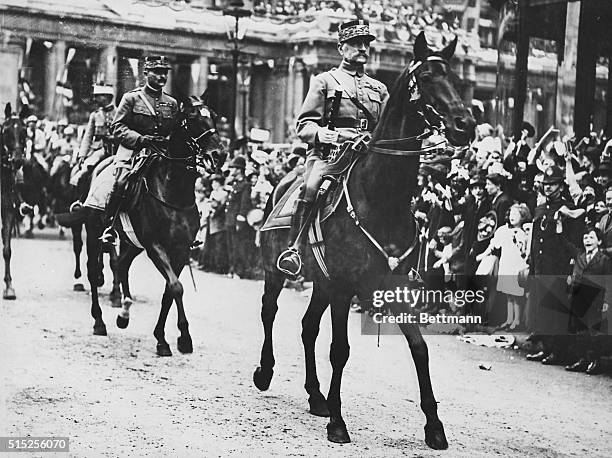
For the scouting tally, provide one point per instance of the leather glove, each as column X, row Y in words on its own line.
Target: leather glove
column 326, row 135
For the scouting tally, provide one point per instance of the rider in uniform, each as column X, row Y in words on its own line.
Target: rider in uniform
column 97, row 140
column 363, row 100
column 144, row 120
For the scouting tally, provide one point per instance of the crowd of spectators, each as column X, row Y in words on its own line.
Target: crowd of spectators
column 402, row 20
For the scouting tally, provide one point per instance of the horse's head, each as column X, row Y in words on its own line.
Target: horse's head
column 198, row 122
column 13, row 139
column 434, row 79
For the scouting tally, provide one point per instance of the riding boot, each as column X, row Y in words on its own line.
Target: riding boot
column 289, row 261
column 115, row 199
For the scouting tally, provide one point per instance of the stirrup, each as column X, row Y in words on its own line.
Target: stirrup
column 76, row 206
column 110, row 236
column 291, row 252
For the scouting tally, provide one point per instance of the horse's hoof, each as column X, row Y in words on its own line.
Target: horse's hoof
column 262, row 378
column 184, row 344
column 336, row 432
column 435, row 437
column 100, row 330
column 318, row 406
column 40, row 225
column 163, row 350
column 9, row 294
column 100, row 281
column 28, row 234
column 122, row 322
column 62, row 236
column 78, row 287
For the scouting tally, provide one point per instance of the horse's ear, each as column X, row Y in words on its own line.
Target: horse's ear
column 449, row 50
column 421, row 49
column 8, row 110
column 24, row 112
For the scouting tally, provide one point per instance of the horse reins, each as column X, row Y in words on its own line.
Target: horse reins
column 429, row 129
column 194, row 146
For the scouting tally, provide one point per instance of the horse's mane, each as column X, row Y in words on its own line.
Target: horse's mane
column 397, row 97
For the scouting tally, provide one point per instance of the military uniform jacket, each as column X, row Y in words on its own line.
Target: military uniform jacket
column 351, row 121
column 549, row 254
column 98, row 127
column 134, row 119
column 238, row 203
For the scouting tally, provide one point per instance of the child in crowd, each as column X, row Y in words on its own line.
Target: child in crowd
column 512, row 240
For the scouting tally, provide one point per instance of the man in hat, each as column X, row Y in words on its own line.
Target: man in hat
column 97, row 142
column 549, row 266
column 363, row 100
column 35, row 141
column 143, row 120
column 236, row 227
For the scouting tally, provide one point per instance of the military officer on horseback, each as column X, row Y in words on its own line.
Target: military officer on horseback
column 97, row 142
column 354, row 115
column 143, row 121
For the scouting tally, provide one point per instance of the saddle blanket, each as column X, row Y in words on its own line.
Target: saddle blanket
column 101, row 186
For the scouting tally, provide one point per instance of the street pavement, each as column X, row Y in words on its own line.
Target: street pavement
column 112, row 396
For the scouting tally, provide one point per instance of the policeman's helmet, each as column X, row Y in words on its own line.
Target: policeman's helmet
column 553, row 175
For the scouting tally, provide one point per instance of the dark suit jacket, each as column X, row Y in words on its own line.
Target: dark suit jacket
column 605, row 225
column 500, row 206
column 591, row 287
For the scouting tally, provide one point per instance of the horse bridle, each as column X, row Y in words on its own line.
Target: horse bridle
column 394, row 146
column 197, row 156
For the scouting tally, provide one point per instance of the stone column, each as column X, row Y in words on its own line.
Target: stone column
column 54, row 68
column 199, row 74
column 276, row 101
column 108, row 66
column 566, row 81
column 588, row 47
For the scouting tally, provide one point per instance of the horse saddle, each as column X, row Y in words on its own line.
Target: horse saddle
column 286, row 193
column 103, row 179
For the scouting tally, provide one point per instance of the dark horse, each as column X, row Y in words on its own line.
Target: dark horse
column 381, row 187
column 12, row 144
column 165, row 218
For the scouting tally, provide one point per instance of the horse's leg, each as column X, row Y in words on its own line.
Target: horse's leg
column 434, row 430
column 94, row 231
column 184, row 342
column 174, row 290
column 127, row 253
column 115, row 294
column 338, row 355
column 272, row 287
column 310, row 330
column 77, row 247
column 7, row 226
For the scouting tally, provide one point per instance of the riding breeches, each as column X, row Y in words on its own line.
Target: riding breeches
column 313, row 177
